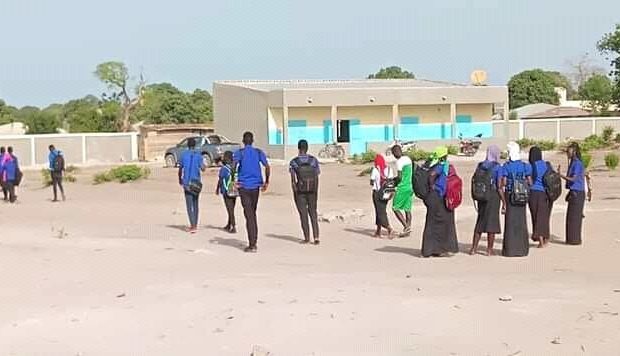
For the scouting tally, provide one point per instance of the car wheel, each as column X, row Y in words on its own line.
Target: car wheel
column 206, row 159
column 171, row 162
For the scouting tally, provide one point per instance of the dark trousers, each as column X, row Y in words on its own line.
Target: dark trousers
column 9, row 191
column 249, row 201
column 5, row 191
column 381, row 218
column 191, row 201
column 57, row 184
column 306, row 206
column 230, row 203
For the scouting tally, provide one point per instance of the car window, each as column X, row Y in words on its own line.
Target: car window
column 215, row 140
column 183, row 143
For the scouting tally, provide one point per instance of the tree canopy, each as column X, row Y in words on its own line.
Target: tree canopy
column 393, row 72
column 532, row 87
column 610, row 46
column 597, row 92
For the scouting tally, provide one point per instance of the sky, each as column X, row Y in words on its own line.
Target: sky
column 49, row 49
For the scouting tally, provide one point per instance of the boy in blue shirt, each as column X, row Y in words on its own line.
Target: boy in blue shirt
column 191, row 166
column 9, row 169
column 57, row 168
column 225, row 186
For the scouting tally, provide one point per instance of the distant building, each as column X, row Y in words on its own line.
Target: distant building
column 15, row 128
column 355, row 113
column 558, row 112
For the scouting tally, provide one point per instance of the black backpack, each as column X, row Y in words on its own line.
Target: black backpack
column 387, row 189
column 553, row 183
column 59, row 163
column 420, row 176
column 482, row 183
column 307, row 177
column 520, row 193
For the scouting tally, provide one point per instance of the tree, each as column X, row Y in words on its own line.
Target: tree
column 6, row 113
column 165, row 104
column 581, row 69
column 202, row 102
column 532, row 87
column 561, row 81
column 41, row 122
column 116, row 76
column 597, row 91
column 393, row 72
column 610, row 46
column 90, row 114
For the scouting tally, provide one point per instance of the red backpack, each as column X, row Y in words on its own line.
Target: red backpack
column 454, row 189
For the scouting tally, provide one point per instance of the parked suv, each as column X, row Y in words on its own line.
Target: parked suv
column 211, row 147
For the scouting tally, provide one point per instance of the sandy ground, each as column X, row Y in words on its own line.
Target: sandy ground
column 125, row 280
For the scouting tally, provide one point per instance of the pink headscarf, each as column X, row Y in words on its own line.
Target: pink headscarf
column 381, row 165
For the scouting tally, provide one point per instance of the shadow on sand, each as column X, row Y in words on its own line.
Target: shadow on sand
column 288, row 238
column 234, row 243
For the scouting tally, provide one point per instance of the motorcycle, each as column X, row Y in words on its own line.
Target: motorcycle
column 469, row 146
column 404, row 145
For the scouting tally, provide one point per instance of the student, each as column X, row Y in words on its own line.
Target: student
column 403, row 198
column 190, row 167
column 304, row 170
column 9, row 171
column 576, row 196
column 516, row 177
column 378, row 176
column 439, row 238
column 4, row 157
column 225, row 186
column 57, row 167
column 247, row 162
column 540, row 205
column 488, row 210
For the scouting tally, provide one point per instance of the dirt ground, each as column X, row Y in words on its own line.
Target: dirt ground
column 110, row 272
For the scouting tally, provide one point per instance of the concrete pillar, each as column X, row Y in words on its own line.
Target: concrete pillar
column 506, row 121
column 558, row 131
column 395, row 121
column 453, row 120
column 285, row 129
column 33, row 152
column 84, row 148
column 334, row 118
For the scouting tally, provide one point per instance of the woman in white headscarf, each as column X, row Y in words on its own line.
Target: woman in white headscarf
column 514, row 192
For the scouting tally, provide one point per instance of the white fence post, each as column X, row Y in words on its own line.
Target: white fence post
column 593, row 126
column 134, row 146
column 33, row 152
column 84, row 159
column 521, row 129
column 558, row 128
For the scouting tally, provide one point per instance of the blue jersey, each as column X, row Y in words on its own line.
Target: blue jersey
column 577, row 171
column 249, row 161
column 538, row 184
column 225, row 176
column 192, row 164
column 515, row 169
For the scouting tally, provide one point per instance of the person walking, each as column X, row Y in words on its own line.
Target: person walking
column 576, row 196
column 9, row 170
column 191, row 165
column 486, row 178
column 403, row 199
column 378, row 178
column 514, row 192
column 4, row 157
column 225, row 186
column 305, row 171
column 57, row 168
column 539, row 203
column 247, row 162
column 439, row 238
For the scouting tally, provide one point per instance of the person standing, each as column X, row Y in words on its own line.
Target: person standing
column 4, row 156
column 191, row 166
column 57, row 168
column 225, row 186
column 305, row 171
column 9, row 170
column 439, row 237
column 403, row 199
column 539, row 203
column 378, row 177
column 248, row 161
column 576, row 196
column 514, row 188
column 488, row 210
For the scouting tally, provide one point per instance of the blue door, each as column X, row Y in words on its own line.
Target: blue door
column 357, row 143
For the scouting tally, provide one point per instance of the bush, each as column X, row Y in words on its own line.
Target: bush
column 617, row 139
column 586, row 159
column 593, row 142
column 122, row 174
column 364, row 158
column 417, row 155
column 69, row 176
column 544, row 145
column 608, row 133
column 453, row 150
column 611, row 160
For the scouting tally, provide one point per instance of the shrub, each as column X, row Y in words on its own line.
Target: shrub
column 364, row 158
column 608, row 133
column 122, row 174
column 69, row 176
column 593, row 142
column 586, row 159
column 453, row 150
column 525, row 143
column 418, row 154
column 617, row 139
column 544, row 145
column 611, row 160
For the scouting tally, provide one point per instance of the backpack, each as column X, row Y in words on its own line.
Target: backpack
column 59, row 163
column 553, row 183
column 421, row 188
column 454, row 190
column 482, row 183
column 520, row 193
column 387, row 189
column 307, row 178
column 229, row 185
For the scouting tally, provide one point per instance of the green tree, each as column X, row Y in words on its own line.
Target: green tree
column 90, row 114
column 116, row 76
column 6, row 113
column 393, row 72
column 610, row 46
column 41, row 122
column 164, row 104
column 597, row 91
column 532, row 87
column 560, row 80
column 202, row 102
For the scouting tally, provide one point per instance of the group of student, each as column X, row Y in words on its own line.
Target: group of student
column 507, row 188
column 11, row 174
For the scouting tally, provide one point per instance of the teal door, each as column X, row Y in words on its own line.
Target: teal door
column 357, row 143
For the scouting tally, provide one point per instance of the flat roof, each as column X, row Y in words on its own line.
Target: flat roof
column 269, row 85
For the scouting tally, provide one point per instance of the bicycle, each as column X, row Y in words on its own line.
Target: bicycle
column 332, row 150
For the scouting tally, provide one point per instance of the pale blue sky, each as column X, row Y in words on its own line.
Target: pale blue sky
column 49, row 48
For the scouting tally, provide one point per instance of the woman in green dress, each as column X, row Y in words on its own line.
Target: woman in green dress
column 403, row 198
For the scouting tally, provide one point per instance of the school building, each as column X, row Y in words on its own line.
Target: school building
column 359, row 114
